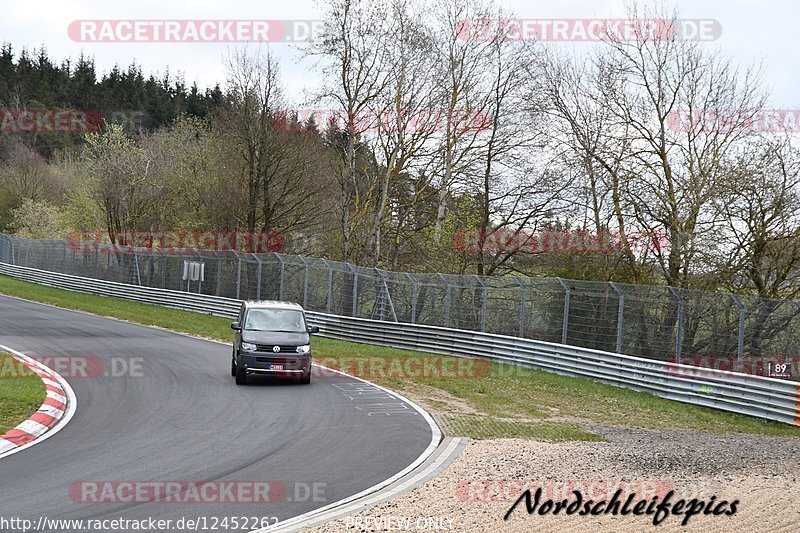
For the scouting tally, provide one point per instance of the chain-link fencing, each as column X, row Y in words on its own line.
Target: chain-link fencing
column 710, row 329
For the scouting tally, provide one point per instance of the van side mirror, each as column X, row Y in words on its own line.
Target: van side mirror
column 236, row 326
column 313, row 329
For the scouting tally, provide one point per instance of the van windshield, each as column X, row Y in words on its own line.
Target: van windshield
column 283, row 320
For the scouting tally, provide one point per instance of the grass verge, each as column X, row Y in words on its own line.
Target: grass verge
column 501, row 401
column 21, row 392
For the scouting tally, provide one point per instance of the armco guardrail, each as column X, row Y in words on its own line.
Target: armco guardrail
column 773, row 399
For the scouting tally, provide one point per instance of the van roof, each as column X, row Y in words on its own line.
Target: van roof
column 272, row 304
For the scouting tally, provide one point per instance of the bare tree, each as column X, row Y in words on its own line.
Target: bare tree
column 405, row 115
column 24, row 174
column 763, row 219
column 679, row 170
column 463, row 95
column 579, row 132
column 279, row 178
column 254, row 95
column 355, row 50
column 512, row 192
column 666, row 174
column 123, row 181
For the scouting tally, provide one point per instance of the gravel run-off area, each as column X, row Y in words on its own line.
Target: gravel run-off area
column 478, row 488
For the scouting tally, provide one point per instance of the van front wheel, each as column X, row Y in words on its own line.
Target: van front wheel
column 241, row 376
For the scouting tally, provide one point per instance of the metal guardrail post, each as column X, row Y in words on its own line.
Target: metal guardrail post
column 620, row 315
column 329, row 299
column 355, row 289
column 447, row 300
column 13, row 259
column 742, row 316
column 521, row 307
column 184, row 259
column 136, row 266
column 414, row 296
column 282, row 275
column 117, row 256
column 305, row 281
column 164, row 269
column 219, row 274
column 565, row 321
column 200, row 278
column 258, row 286
column 238, row 275
column 679, row 331
column 380, row 297
column 483, row 305
column 149, row 268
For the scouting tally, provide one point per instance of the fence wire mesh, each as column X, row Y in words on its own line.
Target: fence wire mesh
column 709, row 329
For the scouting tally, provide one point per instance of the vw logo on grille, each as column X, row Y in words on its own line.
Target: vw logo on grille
column 276, row 349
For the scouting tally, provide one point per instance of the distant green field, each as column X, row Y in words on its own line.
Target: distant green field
column 501, row 402
column 21, row 392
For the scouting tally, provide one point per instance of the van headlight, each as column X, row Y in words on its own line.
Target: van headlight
column 304, row 348
column 248, row 347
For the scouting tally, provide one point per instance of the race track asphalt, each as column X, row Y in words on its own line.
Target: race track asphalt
column 175, row 414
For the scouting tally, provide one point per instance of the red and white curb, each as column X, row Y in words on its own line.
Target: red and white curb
column 58, row 408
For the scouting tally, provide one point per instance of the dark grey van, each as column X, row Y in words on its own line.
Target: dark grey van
column 272, row 338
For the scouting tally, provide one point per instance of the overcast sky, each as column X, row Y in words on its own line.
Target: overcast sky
column 752, row 31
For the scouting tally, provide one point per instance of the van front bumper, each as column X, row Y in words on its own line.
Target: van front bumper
column 275, row 364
